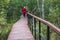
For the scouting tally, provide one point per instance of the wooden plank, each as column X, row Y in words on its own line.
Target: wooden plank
column 20, row 30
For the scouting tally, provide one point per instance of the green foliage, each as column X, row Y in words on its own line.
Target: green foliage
column 54, row 12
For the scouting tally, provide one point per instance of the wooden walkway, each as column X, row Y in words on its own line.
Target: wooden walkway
column 20, row 30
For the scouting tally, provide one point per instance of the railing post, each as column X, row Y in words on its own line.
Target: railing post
column 39, row 30
column 33, row 25
column 32, row 29
column 48, row 33
column 35, row 28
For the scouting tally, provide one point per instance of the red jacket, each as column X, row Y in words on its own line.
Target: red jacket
column 23, row 10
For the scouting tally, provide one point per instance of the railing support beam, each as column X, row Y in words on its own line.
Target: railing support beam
column 48, row 33
column 35, row 28
column 39, row 30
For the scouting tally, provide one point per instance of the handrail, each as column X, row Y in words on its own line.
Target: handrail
column 53, row 27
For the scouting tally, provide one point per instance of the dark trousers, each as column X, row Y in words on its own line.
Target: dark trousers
column 24, row 14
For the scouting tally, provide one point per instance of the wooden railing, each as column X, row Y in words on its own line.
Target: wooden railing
column 49, row 26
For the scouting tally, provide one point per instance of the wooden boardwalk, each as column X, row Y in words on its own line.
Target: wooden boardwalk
column 20, row 30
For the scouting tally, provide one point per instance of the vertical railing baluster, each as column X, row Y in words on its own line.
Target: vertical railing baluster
column 35, row 28
column 32, row 29
column 39, row 30
column 48, row 33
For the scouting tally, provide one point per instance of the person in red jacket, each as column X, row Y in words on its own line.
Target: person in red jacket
column 24, row 11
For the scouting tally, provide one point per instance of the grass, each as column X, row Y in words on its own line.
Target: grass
column 4, row 31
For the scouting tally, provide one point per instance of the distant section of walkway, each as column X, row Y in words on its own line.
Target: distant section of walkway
column 20, row 30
